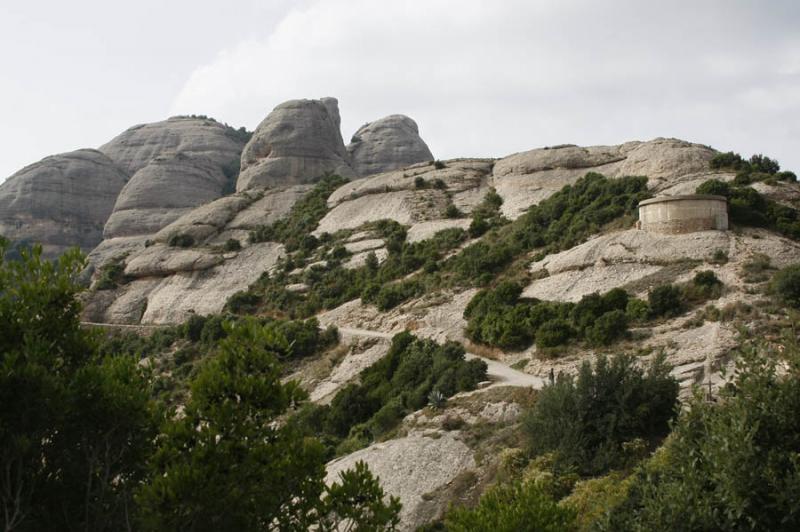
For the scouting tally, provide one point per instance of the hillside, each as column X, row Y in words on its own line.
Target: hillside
column 509, row 273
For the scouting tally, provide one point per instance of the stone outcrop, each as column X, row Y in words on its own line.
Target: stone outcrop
column 410, row 468
column 166, row 284
column 298, row 142
column 387, row 144
column 61, row 201
column 526, row 178
column 175, row 165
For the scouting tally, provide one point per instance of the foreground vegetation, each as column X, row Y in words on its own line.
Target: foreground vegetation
column 85, row 446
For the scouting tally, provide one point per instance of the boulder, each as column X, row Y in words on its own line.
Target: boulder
column 298, row 142
column 61, row 201
column 387, row 144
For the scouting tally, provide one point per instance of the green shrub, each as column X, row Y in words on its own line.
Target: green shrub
column 730, row 464
column 586, row 421
column 420, row 182
column 728, row 160
column 665, row 301
column 452, row 211
column 439, row 184
column 720, row 256
column 637, row 310
column 295, row 229
column 512, row 507
column 608, row 328
column 112, row 275
column 439, row 165
column 399, row 383
column 749, row 208
column 553, row 333
column 193, row 327
column 786, row 285
column 704, row 286
column 181, row 240
column 232, row 245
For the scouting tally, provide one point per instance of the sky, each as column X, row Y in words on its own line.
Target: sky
column 481, row 78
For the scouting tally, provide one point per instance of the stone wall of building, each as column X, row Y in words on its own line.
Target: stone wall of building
column 683, row 214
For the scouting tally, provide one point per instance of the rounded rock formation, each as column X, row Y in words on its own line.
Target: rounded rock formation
column 387, row 144
column 175, row 165
column 298, row 142
column 61, row 201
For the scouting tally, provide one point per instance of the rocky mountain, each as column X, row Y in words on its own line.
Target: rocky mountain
column 299, row 141
column 406, row 243
column 387, row 144
column 62, row 201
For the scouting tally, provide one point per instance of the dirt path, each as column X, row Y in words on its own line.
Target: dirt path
column 497, row 371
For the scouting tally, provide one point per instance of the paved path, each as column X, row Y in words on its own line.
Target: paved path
column 500, row 373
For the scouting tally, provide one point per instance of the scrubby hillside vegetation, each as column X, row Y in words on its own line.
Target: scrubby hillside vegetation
column 472, row 344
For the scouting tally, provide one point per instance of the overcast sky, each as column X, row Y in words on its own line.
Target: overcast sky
column 481, row 78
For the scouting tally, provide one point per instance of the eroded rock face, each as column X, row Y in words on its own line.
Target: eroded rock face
column 526, row 178
column 298, row 142
column 387, row 144
column 61, row 201
column 175, row 165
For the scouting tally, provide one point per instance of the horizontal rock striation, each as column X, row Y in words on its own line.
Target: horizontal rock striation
column 61, row 201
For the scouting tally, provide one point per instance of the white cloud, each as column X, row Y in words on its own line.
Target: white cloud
column 488, row 78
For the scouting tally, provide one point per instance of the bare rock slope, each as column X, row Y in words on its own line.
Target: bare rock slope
column 61, row 201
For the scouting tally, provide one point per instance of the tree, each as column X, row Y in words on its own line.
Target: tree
column 586, row 421
column 73, row 424
column 731, row 464
column 229, row 465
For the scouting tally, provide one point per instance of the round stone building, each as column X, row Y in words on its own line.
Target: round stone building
column 683, row 214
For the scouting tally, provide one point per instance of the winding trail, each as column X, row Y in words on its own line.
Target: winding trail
column 499, row 372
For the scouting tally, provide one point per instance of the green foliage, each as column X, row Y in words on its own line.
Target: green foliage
column 180, row 240
column 665, row 301
column 720, row 256
column 332, row 285
column 73, row 424
column 608, row 328
column 727, row 161
column 731, row 464
column 487, row 214
column 452, row 211
column 419, row 182
column 637, row 310
column 515, row 507
column 295, row 229
column 749, row 208
column 786, row 285
column 401, row 382
column 553, row 333
column 112, row 275
column 500, row 318
column 439, row 165
column 562, row 221
column 226, row 464
column 232, row 245
column 587, row 421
